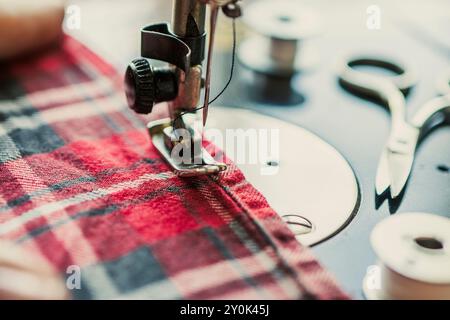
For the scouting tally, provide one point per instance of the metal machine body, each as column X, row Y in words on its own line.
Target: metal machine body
column 179, row 138
column 180, row 83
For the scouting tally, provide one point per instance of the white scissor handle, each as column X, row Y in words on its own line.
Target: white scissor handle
column 443, row 83
column 434, row 113
column 384, row 88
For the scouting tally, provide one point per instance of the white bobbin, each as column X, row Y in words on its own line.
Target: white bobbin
column 413, row 252
column 281, row 27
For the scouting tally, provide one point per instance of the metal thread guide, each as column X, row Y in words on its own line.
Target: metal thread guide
column 178, row 138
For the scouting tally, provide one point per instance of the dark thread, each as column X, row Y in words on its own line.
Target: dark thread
column 233, row 63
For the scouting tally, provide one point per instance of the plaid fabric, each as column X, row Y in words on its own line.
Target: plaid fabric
column 82, row 185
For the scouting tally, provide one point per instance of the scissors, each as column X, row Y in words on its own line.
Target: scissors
column 397, row 157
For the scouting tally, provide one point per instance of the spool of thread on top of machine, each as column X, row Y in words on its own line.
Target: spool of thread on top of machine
column 413, row 252
column 277, row 45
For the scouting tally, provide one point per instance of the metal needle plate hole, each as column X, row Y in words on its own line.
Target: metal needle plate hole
column 429, row 243
column 298, row 224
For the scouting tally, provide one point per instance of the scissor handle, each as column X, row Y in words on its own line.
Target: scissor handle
column 388, row 89
column 443, row 83
column 434, row 113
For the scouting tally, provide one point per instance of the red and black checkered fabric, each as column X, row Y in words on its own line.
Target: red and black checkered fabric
column 82, row 185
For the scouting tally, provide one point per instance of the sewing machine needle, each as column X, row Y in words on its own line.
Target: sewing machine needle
column 213, row 22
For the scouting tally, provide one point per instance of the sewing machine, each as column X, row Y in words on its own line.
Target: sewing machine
column 328, row 204
column 180, row 138
column 180, row 83
column 350, row 240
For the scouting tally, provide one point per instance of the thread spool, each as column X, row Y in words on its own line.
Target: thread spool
column 25, row 275
column 27, row 26
column 281, row 28
column 413, row 252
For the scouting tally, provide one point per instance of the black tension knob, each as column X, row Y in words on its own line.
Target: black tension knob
column 145, row 85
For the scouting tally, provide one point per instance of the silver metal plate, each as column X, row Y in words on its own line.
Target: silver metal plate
column 313, row 181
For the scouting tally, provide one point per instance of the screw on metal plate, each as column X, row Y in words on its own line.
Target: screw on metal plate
column 299, row 225
column 272, row 163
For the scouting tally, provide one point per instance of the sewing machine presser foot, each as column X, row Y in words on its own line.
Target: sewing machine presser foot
column 185, row 155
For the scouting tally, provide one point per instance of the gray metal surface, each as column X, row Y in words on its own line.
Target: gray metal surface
column 305, row 171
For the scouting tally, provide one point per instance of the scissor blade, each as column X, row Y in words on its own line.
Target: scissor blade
column 400, row 169
column 383, row 179
column 401, row 156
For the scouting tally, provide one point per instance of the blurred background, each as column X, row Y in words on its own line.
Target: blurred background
column 115, row 23
column 112, row 25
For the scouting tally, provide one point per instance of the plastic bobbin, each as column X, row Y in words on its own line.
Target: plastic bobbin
column 413, row 252
column 281, row 27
